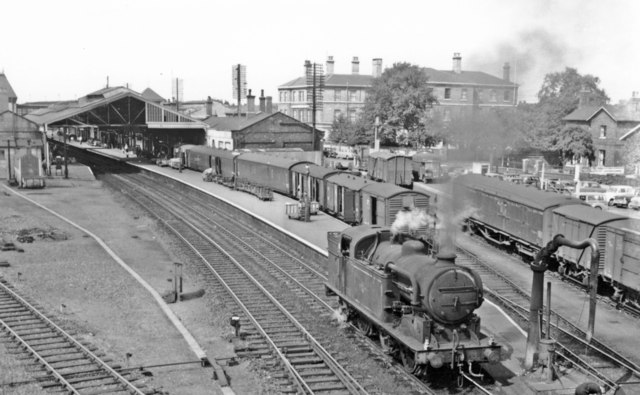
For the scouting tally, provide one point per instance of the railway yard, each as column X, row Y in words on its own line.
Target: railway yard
column 103, row 262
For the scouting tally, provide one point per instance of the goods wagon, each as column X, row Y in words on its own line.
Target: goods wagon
column 427, row 167
column 343, row 196
column 507, row 214
column 381, row 203
column 389, row 167
column 311, row 179
column 268, row 171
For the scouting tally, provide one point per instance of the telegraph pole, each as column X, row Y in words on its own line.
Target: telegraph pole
column 239, row 85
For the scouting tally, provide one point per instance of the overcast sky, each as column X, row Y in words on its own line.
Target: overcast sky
column 63, row 49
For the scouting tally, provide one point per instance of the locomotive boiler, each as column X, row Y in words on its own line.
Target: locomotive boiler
column 421, row 308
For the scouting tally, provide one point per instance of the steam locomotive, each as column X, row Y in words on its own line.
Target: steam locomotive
column 421, row 308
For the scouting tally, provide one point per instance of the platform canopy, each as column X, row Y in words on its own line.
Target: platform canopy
column 113, row 107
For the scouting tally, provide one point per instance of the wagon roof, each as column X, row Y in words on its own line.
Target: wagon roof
column 529, row 196
column 349, row 181
column 386, row 190
column 426, row 156
column 277, row 161
column 356, row 232
column 588, row 214
column 314, row 170
column 628, row 225
column 386, row 155
column 201, row 149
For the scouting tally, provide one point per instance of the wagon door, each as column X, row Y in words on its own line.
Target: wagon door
column 348, row 206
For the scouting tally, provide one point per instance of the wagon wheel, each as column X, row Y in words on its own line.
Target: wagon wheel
column 364, row 326
column 408, row 360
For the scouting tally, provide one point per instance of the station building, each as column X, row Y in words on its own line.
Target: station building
column 118, row 117
column 21, row 144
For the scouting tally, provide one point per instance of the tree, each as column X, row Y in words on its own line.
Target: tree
column 344, row 131
column 574, row 142
column 400, row 98
column 559, row 96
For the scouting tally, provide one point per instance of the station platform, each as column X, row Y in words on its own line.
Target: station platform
column 612, row 327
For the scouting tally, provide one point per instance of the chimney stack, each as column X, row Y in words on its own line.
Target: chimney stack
column 457, row 63
column 355, row 65
column 209, row 106
column 251, row 103
column 269, row 105
column 506, row 72
column 585, row 98
column 377, row 67
column 262, row 103
column 330, row 65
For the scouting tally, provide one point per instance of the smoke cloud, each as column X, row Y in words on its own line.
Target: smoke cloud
column 531, row 54
column 409, row 221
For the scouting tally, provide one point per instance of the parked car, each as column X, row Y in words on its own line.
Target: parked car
column 634, row 203
column 625, row 191
column 594, row 199
column 621, row 201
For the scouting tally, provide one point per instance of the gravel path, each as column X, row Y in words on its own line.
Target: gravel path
column 74, row 279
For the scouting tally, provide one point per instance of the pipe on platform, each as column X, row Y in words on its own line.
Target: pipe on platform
column 539, row 266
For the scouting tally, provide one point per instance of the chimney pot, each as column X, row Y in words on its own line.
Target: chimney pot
column 457, row 63
column 269, row 105
column 330, row 64
column 506, row 72
column 251, row 103
column 355, row 65
column 209, row 106
column 377, row 67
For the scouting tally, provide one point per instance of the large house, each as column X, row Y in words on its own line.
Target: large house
column 342, row 95
column 610, row 126
column 457, row 90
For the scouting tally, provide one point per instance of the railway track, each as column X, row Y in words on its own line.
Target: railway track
column 607, row 366
column 269, row 325
column 273, row 264
column 69, row 365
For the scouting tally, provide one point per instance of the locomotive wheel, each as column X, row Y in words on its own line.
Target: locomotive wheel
column 408, row 360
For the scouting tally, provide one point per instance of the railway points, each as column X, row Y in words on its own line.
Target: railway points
column 278, row 218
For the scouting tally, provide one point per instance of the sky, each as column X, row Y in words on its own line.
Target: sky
column 64, row 49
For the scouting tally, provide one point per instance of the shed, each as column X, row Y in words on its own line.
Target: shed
column 21, row 145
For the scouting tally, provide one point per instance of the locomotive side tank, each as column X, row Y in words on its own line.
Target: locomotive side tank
column 422, row 308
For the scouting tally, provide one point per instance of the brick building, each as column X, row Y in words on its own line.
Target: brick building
column 609, row 125
column 262, row 130
column 459, row 90
column 343, row 95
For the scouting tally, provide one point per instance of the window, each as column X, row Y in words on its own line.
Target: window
column 352, row 116
column 447, row 93
column 296, row 115
column 337, row 114
column 300, row 96
column 507, row 96
column 492, row 95
column 447, row 116
column 2, row 154
column 463, row 94
column 353, row 95
column 603, row 131
column 480, row 94
column 338, row 95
